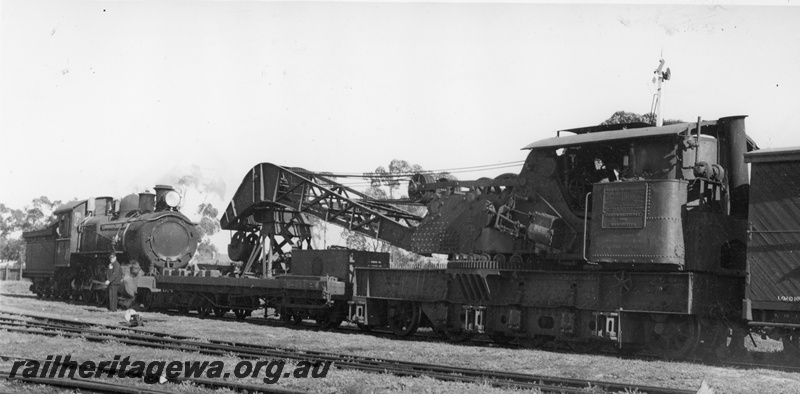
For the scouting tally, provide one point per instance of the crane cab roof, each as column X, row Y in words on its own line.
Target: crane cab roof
column 604, row 133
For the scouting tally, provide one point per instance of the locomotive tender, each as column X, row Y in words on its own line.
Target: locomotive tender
column 653, row 239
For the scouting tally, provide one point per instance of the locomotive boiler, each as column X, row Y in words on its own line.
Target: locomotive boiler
column 146, row 231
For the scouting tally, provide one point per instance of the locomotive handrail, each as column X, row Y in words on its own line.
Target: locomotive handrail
column 585, row 225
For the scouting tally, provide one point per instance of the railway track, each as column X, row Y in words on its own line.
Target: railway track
column 135, row 337
column 431, row 336
column 92, row 385
column 111, row 387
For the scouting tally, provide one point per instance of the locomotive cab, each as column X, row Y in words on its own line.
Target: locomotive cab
column 69, row 218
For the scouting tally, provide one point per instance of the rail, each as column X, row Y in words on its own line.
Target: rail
column 67, row 328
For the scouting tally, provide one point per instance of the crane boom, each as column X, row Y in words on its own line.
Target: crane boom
column 270, row 193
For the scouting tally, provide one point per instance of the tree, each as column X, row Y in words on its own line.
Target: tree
column 319, row 230
column 36, row 216
column 208, row 226
column 12, row 249
column 398, row 170
column 8, row 220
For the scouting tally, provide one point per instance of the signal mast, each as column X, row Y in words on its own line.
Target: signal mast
column 658, row 106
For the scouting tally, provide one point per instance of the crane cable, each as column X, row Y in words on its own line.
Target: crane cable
column 486, row 167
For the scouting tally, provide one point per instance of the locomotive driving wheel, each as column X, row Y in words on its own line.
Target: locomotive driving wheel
column 147, row 300
column 671, row 337
column 404, row 318
column 100, row 297
column 87, row 296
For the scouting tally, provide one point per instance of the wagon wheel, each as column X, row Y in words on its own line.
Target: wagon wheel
column 791, row 345
column 328, row 322
column 220, row 312
column 713, row 344
column 500, row 338
column 286, row 317
column 204, row 310
column 457, row 334
column 671, row 337
column 100, row 297
column 404, row 318
column 241, row 314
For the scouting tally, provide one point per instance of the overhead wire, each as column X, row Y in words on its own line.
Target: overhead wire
column 389, row 177
column 484, row 167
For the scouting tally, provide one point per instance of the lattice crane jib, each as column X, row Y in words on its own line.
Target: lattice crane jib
column 273, row 199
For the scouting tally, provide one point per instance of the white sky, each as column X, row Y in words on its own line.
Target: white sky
column 112, row 97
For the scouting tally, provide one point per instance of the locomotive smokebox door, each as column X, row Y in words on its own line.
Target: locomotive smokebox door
column 638, row 222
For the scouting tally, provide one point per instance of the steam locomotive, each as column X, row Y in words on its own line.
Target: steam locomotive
column 651, row 239
column 147, row 231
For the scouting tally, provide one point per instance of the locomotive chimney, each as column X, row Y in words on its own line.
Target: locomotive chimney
column 161, row 196
column 147, row 202
column 735, row 146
